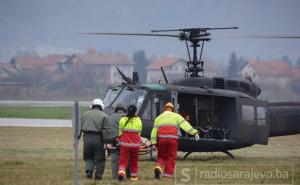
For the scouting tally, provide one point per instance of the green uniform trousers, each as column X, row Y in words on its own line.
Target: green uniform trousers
column 93, row 153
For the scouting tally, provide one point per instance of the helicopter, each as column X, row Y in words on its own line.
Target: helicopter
column 226, row 111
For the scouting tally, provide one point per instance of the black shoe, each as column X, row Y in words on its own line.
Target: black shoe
column 120, row 178
column 157, row 173
column 98, row 177
column 89, row 174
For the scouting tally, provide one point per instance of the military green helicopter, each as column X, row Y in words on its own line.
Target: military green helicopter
column 226, row 111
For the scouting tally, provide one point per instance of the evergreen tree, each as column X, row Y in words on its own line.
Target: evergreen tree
column 140, row 60
column 233, row 66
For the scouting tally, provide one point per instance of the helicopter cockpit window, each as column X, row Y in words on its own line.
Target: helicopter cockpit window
column 261, row 116
column 248, row 113
column 147, row 112
column 131, row 96
column 157, row 106
column 111, row 95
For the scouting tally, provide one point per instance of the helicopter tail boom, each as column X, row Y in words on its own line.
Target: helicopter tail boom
column 284, row 118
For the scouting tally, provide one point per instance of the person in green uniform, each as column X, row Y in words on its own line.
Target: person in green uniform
column 96, row 131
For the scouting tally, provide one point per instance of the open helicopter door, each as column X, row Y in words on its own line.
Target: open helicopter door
column 252, row 124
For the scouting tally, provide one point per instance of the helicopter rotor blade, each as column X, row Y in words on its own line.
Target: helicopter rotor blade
column 133, row 34
column 199, row 29
column 258, row 37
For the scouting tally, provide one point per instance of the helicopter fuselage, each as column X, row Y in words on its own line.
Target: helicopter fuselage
column 225, row 119
column 225, row 111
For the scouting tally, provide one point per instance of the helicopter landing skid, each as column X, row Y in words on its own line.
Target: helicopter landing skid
column 225, row 151
column 229, row 154
column 186, row 155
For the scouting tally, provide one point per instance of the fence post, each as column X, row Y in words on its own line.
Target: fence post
column 76, row 130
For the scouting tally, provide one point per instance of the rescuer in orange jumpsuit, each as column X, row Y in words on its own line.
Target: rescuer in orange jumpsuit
column 130, row 127
column 164, row 138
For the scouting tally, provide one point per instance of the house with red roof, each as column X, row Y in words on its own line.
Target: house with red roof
column 173, row 67
column 28, row 63
column 6, row 70
column 101, row 66
column 270, row 73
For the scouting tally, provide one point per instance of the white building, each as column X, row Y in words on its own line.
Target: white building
column 103, row 66
column 269, row 73
column 173, row 67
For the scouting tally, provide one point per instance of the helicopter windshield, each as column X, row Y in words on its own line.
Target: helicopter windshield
column 131, row 96
column 111, row 95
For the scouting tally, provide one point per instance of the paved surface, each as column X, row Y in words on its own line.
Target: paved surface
column 20, row 122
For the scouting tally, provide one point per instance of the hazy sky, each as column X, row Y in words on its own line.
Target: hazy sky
column 32, row 23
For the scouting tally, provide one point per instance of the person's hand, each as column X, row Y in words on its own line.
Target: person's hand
column 197, row 137
column 154, row 148
column 148, row 144
column 109, row 146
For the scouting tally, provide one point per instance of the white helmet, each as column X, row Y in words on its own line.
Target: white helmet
column 98, row 102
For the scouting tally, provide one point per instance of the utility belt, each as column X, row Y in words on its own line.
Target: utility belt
column 92, row 132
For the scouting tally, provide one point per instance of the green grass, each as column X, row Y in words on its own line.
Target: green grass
column 38, row 112
column 45, row 156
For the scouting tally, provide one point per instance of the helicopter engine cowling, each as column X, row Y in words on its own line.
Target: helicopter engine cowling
column 234, row 84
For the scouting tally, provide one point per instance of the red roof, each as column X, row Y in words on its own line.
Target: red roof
column 52, row 59
column 271, row 68
column 162, row 63
column 30, row 62
column 6, row 65
column 7, row 68
column 107, row 58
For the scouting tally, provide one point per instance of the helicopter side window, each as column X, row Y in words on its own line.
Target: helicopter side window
column 248, row 114
column 261, row 116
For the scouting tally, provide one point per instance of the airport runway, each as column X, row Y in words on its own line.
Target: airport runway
column 20, row 122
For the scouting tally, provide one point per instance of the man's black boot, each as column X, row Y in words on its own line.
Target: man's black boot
column 88, row 174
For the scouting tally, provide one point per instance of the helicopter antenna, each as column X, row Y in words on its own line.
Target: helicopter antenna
column 164, row 75
column 124, row 77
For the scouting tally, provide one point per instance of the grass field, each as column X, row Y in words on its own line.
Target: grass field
column 45, row 156
column 37, row 112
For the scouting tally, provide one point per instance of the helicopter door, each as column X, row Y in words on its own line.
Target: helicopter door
column 252, row 124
